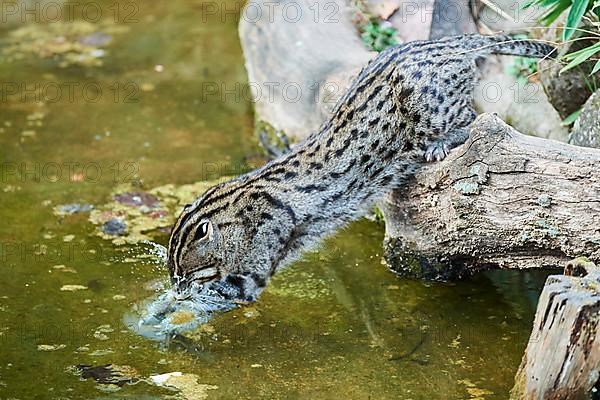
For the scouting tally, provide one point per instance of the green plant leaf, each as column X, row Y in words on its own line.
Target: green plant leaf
column 574, row 17
column 590, row 49
column 528, row 4
column 555, row 11
column 541, row 3
column 371, row 29
column 580, row 56
column 596, row 68
column 548, row 3
column 571, row 118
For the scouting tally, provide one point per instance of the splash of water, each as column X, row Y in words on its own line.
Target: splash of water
column 173, row 312
column 157, row 250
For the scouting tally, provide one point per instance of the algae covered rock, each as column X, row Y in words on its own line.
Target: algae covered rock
column 134, row 216
column 187, row 385
column 80, row 43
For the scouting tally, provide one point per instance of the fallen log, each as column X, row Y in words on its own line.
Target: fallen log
column 562, row 360
column 503, row 200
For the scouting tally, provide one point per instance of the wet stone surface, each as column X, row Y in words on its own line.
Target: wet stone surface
column 114, row 227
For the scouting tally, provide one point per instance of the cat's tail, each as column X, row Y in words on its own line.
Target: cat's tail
column 506, row 45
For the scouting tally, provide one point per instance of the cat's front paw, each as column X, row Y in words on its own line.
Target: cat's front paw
column 437, row 151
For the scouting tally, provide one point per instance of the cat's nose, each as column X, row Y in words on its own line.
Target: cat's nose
column 180, row 284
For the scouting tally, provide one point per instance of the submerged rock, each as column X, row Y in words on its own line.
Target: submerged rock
column 110, row 374
column 187, row 384
column 137, row 199
column 73, row 208
column 96, row 39
column 68, row 42
column 114, row 227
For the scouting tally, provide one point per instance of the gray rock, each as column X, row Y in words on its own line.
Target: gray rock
column 300, row 57
column 319, row 58
column 114, row 227
column 586, row 131
column 413, row 19
column 523, row 106
column 75, row 208
column 567, row 91
column 450, row 18
column 506, row 16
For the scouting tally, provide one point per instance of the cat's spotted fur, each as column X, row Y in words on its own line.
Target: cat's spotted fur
column 411, row 103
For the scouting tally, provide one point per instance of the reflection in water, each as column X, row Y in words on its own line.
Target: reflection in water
column 521, row 289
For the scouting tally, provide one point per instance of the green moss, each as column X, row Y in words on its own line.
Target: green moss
column 76, row 42
column 550, row 230
column 518, row 390
column 145, row 221
column 544, row 200
column 274, row 141
column 407, row 262
column 466, row 188
column 378, row 35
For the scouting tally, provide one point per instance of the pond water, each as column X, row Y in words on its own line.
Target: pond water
column 337, row 324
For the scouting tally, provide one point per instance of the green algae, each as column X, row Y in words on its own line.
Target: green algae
column 466, row 188
column 300, row 285
column 76, row 42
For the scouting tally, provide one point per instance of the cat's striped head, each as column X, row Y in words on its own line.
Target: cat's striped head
column 208, row 245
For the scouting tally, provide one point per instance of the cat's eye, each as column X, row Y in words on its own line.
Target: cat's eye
column 203, row 231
